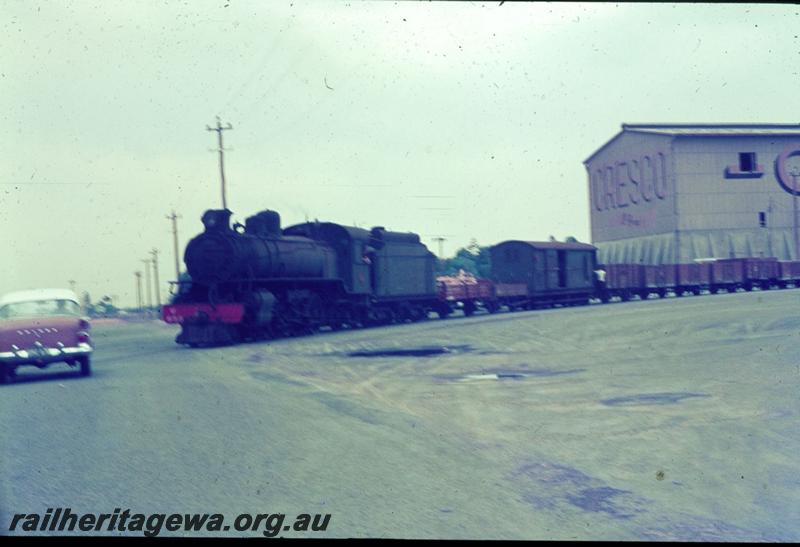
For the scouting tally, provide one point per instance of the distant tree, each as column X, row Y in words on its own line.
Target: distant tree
column 86, row 304
column 483, row 264
column 473, row 259
column 106, row 307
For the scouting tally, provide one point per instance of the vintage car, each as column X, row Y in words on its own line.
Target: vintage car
column 41, row 327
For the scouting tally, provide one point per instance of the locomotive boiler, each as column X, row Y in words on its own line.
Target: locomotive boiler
column 255, row 250
column 254, row 280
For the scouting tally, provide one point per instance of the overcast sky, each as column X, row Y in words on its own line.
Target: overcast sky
column 461, row 120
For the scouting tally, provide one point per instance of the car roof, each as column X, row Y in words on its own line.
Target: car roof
column 38, row 294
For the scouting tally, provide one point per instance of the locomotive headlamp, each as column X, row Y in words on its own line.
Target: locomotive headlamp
column 209, row 220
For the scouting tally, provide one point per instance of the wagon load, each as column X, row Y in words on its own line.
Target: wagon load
column 464, row 291
column 464, row 286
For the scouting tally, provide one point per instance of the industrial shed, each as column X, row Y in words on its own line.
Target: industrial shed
column 676, row 193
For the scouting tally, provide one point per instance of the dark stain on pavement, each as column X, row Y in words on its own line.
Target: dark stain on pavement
column 652, row 399
column 549, row 485
column 425, row 351
column 524, row 371
column 510, row 376
column 552, row 486
column 255, row 358
column 599, row 500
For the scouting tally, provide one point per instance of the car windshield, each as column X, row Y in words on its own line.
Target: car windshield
column 36, row 308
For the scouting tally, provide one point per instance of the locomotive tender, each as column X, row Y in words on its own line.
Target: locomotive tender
column 256, row 280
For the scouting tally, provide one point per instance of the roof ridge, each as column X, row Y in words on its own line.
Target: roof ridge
column 708, row 125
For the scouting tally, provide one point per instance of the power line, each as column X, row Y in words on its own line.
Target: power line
column 219, row 129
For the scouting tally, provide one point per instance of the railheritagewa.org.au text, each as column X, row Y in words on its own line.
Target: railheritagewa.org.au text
column 63, row 519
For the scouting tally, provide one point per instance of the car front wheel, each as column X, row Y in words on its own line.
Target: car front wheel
column 5, row 374
column 86, row 367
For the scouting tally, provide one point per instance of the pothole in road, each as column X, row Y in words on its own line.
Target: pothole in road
column 425, row 351
column 652, row 399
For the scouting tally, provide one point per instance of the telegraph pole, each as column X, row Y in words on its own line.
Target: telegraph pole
column 149, row 298
column 72, row 285
column 795, row 173
column 174, row 218
column 440, row 240
column 138, row 276
column 154, row 252
column 219, row 129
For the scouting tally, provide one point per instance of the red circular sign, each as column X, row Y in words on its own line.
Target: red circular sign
column 787, row 181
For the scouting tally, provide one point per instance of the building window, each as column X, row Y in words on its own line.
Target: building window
column 747, row 162
column 762, row 219
column 747, row 167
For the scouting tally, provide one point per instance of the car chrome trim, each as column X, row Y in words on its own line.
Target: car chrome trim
column 21, row 356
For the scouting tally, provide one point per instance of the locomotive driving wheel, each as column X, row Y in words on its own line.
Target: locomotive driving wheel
column 313, row 312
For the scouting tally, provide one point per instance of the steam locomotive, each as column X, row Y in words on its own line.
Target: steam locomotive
column 256, row 280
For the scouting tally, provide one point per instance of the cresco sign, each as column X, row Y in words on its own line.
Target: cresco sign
column 630, row 183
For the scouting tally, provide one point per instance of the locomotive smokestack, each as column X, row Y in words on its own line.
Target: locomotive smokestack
column 216, row 220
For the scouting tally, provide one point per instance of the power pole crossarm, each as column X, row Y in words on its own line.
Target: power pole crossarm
column 219, row 129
